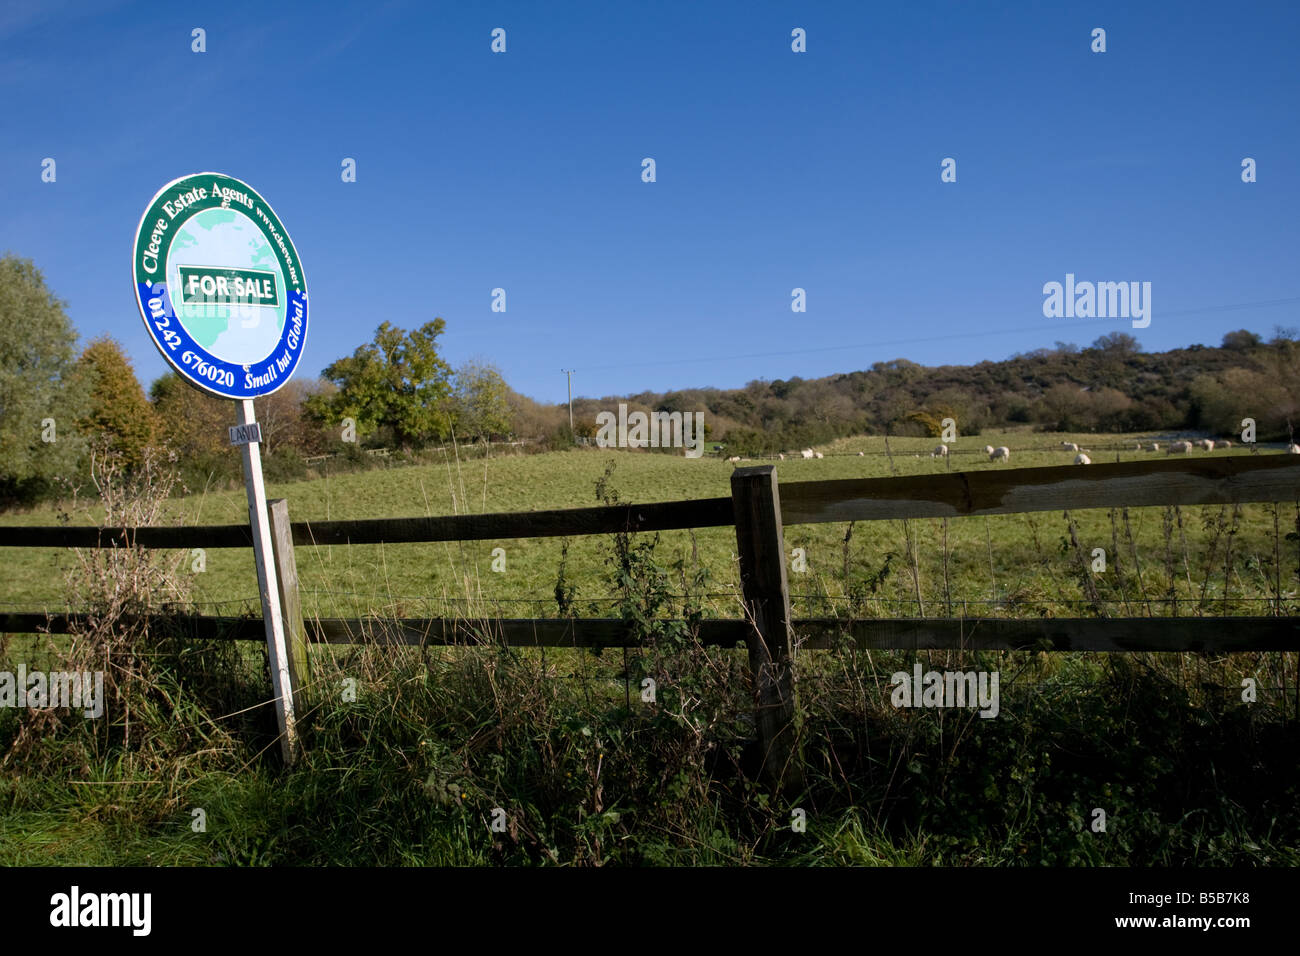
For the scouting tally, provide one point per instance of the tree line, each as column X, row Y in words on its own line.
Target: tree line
column 1110, row 386
column 57, row 404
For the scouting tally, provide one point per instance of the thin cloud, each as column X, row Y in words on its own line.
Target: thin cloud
column 16, row 18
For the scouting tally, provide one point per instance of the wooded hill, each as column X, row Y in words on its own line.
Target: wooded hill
column 1109, row 386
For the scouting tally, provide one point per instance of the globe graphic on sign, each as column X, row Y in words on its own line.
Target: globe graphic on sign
column 236, row 320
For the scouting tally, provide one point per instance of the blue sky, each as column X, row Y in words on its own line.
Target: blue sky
column 775, row 170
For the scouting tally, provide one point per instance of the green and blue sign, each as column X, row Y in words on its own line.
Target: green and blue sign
column 220, row 286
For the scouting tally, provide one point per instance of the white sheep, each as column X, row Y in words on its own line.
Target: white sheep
column 782, row 457
column 1000, row 454
column 862, row 454
column 1155, row 446
column 988, row 449
column 1293, row 449
column 1137, row 446
column 1206, row 444
column 1082, row 459
column 819, row 454
column 1069, row 446
column 807, row 453
column 1179, row 448
column 1224, row 442
column 733, row 459
column 940, row 451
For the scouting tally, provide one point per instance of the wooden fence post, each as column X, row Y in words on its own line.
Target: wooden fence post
column 761, row 548
column 286, row 568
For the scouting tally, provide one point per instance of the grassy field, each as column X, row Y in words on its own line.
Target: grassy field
column 414, row 765
column 994, row 564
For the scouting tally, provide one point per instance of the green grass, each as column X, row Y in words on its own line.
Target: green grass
column 991, row 560
column 409, row 773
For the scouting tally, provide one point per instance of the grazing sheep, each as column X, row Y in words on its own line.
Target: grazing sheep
column 1155, row 446
column 1000, row 454
column 819, row 454
column 1082, row 459
column 988, row 449
column 807, row 453
column 1206, row 444
column 733, row 459
column 1226, row 443
column 1069, row 446
column 1293, row 449
column 862, row 454
column 1179, row 448
column 940, row 451
column 782, row 457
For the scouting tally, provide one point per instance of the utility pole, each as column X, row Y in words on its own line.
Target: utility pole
column 568, row 372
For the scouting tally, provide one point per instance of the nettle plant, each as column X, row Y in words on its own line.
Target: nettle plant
column 643, row 586
column 693, row 686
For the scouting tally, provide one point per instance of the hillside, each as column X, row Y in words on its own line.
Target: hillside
column 1108, row 387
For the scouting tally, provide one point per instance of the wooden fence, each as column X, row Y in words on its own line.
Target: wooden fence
column 759, row 509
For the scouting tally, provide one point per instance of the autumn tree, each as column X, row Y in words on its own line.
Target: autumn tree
column 118, row 412
column 482, row 406
column 286, row 425
column 532, row 419
column 195, row 425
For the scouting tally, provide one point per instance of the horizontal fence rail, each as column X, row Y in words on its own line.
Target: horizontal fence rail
column 1194, row 481
column 657, row 516
column 1118, row 634
column 1184, row 481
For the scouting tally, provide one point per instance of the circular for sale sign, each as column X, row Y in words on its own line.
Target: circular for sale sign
column 220, row 286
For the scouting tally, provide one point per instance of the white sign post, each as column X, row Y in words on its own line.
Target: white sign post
column 222, row 293
column 281, row 684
